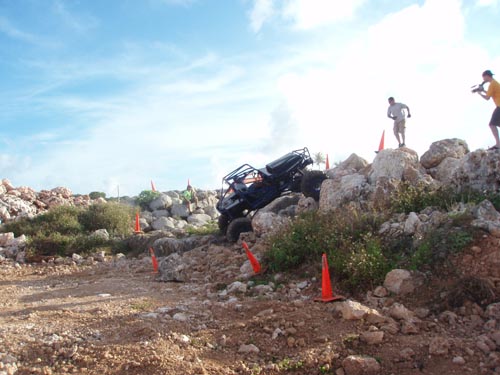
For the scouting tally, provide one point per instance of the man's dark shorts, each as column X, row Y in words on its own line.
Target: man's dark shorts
column 495, row 118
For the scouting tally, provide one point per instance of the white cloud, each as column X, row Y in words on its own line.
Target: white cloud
column 79, row 23
column 339, row 101
column 309, row 14
column 488, row 3
column 261, row 12
column 10, row 30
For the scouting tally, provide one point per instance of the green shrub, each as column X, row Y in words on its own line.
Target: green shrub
column 97, row 195
column 65, row 230
column 61, row 219
column 115, row 218
column 146, row 197
column 366, row 265
column 347, row 236
column 50, row 244
column 414, row 198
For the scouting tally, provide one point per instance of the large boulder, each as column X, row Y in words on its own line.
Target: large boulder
column 281, row 203
column 352, row 164
column 393, row 164
column 479, row 170
column 337, row 192
column 163, row 223
column 179, row 210
column 199, row 219
column 161, row 203
column 445, row 171
column 440, row 150
column 487, row 218
column 264, row 223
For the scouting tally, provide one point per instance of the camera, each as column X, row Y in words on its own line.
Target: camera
column 478, row 88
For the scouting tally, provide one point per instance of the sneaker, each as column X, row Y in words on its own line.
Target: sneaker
column 402, row 145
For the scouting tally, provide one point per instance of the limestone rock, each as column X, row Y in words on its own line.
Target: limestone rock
column 337, row 192
column 179, row 210
column 360, row 365
column 412, row 223
column 162, row 202
column 248, row 349
column 440, row 150
column 445, row 171
column 281, row 203
column 307, row 204
column 163, row 223
column 172, row 268
column 372, row 337
column 400, row 281
column 400, row 312
column 199, row 219
column 268, row 222
column 352, row 310
column 391, row 163
column 487, row 218
column 478, row 170
column 439, row 346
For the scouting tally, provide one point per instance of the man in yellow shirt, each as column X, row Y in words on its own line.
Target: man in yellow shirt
column 493, row 92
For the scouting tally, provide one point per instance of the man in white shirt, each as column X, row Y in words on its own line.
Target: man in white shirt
column 395, row 112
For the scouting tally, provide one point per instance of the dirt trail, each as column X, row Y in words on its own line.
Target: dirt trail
column 113, row 318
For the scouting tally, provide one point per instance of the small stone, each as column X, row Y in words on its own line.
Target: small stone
column 407, row 354
column 439, row 346
column 476, row 249
column 360, row 365
column 380, row 292
column 399, row 311
column 267, row 312
column 372, row 338
column 237, row 287
column 180, row 317
column 104, row 295
column 290, row 342
column 150, row 315
column 248, row 349
column 458, row 360
column 422, row 312
column 302, row 285
column 409, row 328
column 277, row 332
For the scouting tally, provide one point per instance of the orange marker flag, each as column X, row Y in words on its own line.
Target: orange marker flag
column 153, row 187
column 327, row 162
column 253, row 261
column 326, row 286
column 137, row 228
column 381, row 144
column 153, row 260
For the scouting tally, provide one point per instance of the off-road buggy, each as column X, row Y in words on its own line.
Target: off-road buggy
column 247, row 189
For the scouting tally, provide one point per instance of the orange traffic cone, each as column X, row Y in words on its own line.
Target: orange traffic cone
column 327, row 162
column 153, row 187
column 253, row 261
column 137, row 228
column 381, row 144
column 154, row 260
column 326, row 286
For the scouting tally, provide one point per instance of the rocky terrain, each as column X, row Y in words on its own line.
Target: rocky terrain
column 206, row 312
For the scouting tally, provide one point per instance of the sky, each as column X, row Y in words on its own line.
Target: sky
column 109, row 95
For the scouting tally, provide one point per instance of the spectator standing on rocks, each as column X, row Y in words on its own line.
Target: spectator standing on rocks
column 189, row 196
column 493, row 92
column 396, row 112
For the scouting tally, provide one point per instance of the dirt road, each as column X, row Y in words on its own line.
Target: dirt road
column 113, row 318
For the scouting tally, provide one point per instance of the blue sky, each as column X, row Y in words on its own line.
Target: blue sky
column 99, row 94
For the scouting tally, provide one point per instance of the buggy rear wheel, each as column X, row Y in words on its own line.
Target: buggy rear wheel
column 311, row 184
column 223, row 222
column 238, row 226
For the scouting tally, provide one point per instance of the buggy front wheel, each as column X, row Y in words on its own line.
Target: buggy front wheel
column 238, row 226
